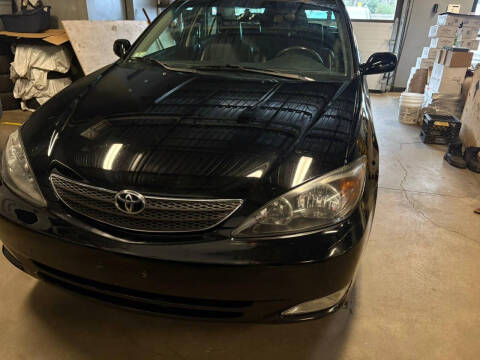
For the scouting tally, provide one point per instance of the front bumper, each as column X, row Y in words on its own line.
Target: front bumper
column 217, row 280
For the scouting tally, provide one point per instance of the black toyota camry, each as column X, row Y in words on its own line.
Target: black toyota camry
column 225, row 167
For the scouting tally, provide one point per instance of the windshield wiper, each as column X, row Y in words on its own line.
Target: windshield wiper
column 196, row 69
column 254, row 70
column 165, row 66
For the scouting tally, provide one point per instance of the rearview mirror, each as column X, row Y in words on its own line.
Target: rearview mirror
column 121, row 47
column 379, row 63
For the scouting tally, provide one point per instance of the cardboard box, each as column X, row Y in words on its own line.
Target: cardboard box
column 440, row 43
column 417, row 80
column 469, row 44
column 467, row 33
column 440, row 58
column 447, row 80
column 442, row 31
column 451, row 19
column 453, row 8
column 458, row 59
column 429, row 53
column 423, row 63
column 471, row 20
column 454, row 57
column 470, row 131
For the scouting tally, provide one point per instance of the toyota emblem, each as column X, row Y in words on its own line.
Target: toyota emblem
column 130, row 202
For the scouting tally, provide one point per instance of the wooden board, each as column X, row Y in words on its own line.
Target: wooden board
column 93, row 41
column 57, row 39
column 52, row 36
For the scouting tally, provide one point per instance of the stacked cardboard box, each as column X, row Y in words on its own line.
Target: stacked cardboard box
column 467, row 37
column 445, row 62
column 443, row 93
column 452, row 19
column 441, row 35
column 430, row 53
column 449, row 71
column 467, row 29
column 442, row 31
column 450, row 30
column 418, row 79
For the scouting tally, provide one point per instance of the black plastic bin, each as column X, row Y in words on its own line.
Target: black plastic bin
column 440, row 129
column 28, row 21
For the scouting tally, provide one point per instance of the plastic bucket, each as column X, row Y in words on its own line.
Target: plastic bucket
column 410, row 107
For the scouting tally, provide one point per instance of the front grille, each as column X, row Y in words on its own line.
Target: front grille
column 160, row 214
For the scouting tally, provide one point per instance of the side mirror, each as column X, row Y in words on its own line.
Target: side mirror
column 121, row 47
column 379, row 63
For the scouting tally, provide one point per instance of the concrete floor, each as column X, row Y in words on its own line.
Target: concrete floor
column 416, row 295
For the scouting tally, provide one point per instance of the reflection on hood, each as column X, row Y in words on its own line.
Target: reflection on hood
column 176, row 133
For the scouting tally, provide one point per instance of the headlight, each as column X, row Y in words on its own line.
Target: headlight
column 318, row 203
column 16, row 171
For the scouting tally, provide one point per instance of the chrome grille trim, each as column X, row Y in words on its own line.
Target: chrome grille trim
column 161, row 214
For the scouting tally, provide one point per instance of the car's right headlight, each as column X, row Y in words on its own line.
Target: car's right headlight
column 318, row 203
column 17, row 173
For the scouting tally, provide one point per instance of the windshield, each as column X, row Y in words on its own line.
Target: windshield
column 303, row 37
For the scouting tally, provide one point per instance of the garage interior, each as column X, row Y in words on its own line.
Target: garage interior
column 414, row 296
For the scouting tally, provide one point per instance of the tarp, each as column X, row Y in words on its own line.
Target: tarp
column 48, row 58
column 30, row 71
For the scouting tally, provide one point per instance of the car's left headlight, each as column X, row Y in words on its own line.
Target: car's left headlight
column 318, row 203
column 17, row 173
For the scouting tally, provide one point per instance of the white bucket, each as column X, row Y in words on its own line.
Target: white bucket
column 410, row 107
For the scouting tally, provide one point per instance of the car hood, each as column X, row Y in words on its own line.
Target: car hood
column 140, row 127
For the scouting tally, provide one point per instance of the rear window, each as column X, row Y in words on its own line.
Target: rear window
column 319, row 15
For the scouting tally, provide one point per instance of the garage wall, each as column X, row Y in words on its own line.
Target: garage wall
column 149, row 5
column 67, row 10
column 372, row 37
column 106, row 9
column 86, row 10
column 416, row 36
